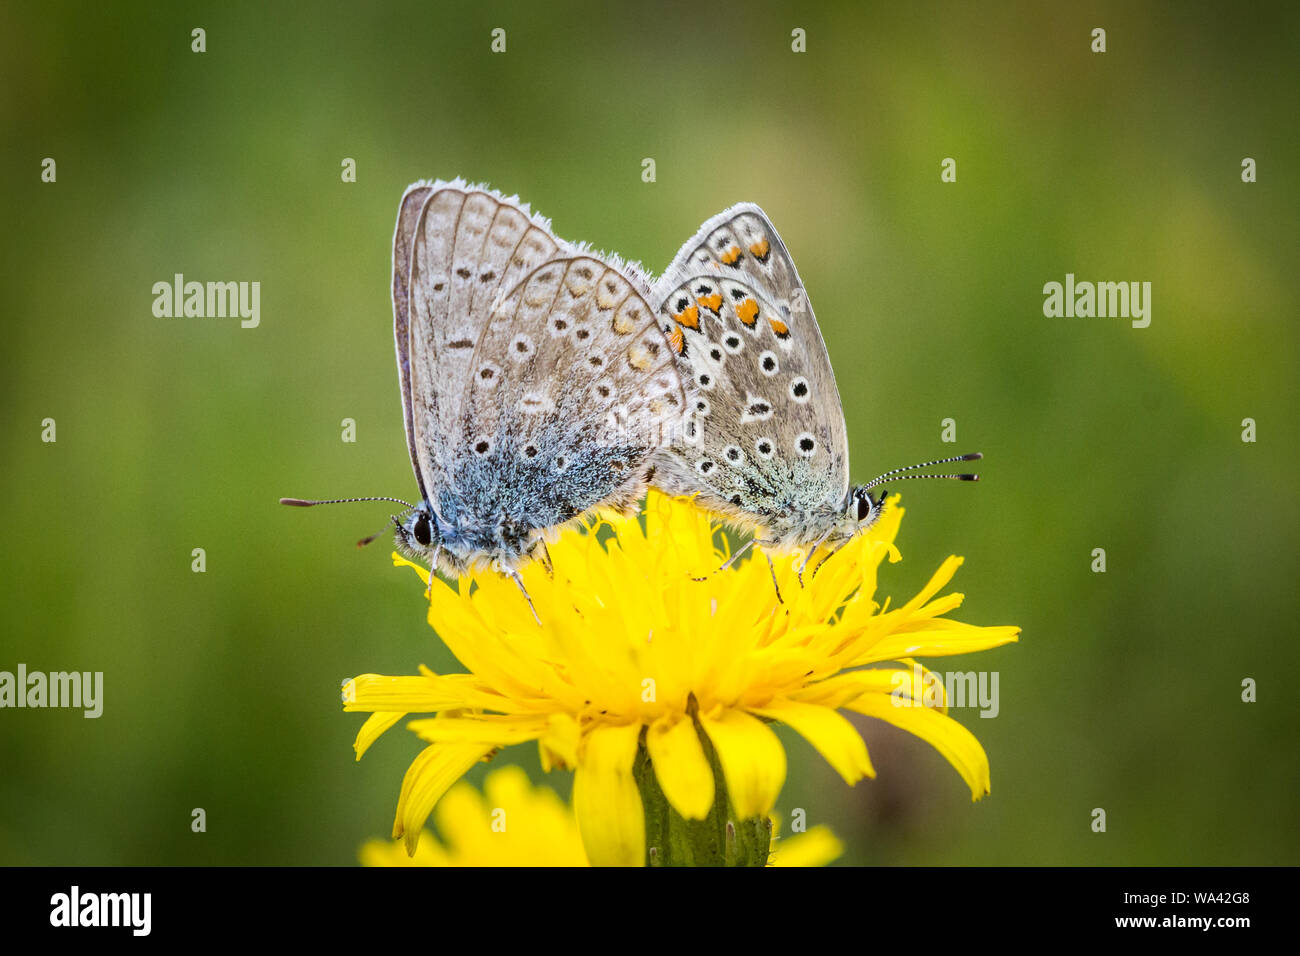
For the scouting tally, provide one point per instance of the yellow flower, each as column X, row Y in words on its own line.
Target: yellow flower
column 516, row 824
column 636, row 665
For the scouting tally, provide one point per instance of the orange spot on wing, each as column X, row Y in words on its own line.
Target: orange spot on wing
column 711, row 302
column 689, row 317
column 780, row 328
column 677, row 339
column 747, row 312
column 760, row 250
column 731, row 256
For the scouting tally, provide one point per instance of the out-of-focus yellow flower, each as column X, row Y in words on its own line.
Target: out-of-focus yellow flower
column 514, row 823
column 814, row 847
column 634, row 658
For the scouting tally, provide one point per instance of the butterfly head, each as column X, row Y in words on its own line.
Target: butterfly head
column 419, row 534
column 862, row 509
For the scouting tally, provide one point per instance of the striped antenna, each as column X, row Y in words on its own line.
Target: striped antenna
column 304, row 503
column 974, row 456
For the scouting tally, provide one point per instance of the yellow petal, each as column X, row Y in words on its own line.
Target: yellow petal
column 682, row 769
column 753, row 760
column 957, row 744
column 908, row 681
column 605, row 798
column 436, row 768
column 939, row 638
column 490, row 729
column 416, row 694
column 373, row 729
column 558, row 747
column 400, row 562
column 933, row 586
column 827, row 730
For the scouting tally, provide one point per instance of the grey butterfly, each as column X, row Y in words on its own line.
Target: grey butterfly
column 766, row 444
column 535, row 381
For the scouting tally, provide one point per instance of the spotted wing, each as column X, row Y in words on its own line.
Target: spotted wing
column 767, row 436
column 457, row 250
column 741, row 243
column 573, row 388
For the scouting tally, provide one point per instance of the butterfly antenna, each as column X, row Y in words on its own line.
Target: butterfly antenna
column 304, row 503
column 974, row 456
column 914, row 477
column 396, row 524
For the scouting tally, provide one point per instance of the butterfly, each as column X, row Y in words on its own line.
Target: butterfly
column 535, row 381
column 765, row 444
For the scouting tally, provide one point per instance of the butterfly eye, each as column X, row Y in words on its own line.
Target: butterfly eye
column 863, row 506
column 422, row 531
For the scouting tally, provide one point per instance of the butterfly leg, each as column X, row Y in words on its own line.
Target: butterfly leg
column 433, row 571
column 830, row 554
column 731, row 560
column 540, row 552
column 524, row 591
column 772, row 567
column 808, row 557
column 804, row 563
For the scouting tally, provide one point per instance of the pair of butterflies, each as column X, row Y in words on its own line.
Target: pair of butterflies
column 541, row 380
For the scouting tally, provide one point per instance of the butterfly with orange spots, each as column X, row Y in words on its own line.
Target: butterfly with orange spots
column 766, row 445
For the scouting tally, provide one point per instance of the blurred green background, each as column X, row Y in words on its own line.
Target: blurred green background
column 222, row 687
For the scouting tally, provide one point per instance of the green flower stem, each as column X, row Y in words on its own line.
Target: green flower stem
column 717, row 840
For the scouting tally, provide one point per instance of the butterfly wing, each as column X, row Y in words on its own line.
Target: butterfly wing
column 456, row 251
column 408, row 213
column 742, row 243
column 572, row 390
column 767, row 441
